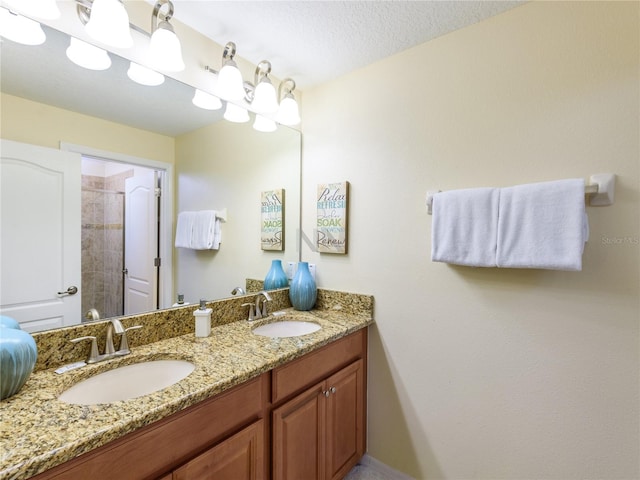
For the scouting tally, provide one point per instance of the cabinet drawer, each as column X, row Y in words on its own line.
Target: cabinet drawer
column 314, row 367
column 161, row 446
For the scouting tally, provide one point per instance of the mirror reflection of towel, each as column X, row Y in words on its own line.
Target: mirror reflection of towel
column 199, row 230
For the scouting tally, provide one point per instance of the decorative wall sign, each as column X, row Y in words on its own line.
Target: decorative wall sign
column 332, row 204
column 272, row 237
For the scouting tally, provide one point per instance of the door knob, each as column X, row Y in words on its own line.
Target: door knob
column 72, row 290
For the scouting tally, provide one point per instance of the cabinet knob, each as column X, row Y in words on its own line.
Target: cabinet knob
column 332, row 390
column 326, row 393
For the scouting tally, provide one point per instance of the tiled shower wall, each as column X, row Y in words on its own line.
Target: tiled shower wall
column 103, row 243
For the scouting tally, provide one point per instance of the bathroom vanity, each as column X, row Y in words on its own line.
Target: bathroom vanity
column 254, row 407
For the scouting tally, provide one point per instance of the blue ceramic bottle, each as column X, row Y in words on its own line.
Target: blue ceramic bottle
column 18, row 354
column 276, row 278
column 303, row 291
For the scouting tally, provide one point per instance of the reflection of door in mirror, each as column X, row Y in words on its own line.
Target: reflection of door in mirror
column 40, row 236
column 120, row 230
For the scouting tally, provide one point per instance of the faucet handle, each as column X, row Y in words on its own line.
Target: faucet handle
column 94, row 355
column 251, row 311
column 124, row 343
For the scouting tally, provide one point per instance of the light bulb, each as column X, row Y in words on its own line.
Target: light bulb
column 144, row 75
column 206, row 100
column 109, row 24
column 20, row 29
column 236, row 114
column 264, row 124
column 230, row 84
column 264, row 97
column 288, row 113
column 165, row 51
column 88, row 56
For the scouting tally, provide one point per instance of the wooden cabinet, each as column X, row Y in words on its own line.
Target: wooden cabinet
column 320, row 433
column 240, row 457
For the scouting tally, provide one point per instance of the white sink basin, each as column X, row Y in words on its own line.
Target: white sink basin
column 286, row 328
column 127, row 382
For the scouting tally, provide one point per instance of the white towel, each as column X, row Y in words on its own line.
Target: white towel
column 184, row 229
column 203, row 230
column 464, row 229
column 542, row 225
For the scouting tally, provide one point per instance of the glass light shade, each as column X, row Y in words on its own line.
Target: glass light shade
column 88, row 56
column 206, row 100
column 144, row 75
column 236, row 114
column 45, row 9
column 288, row 114
column 265, row 99
column 109, row 24
column 165, row 51
column 20, row 29
column 264, row 124
column 230, row 85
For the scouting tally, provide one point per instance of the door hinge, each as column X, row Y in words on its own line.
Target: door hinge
column 156, row 262
column 158, row 191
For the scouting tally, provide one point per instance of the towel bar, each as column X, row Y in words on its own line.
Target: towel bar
column 600, row 191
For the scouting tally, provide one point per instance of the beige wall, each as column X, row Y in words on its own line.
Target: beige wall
column 39, row 124
column 492, row 373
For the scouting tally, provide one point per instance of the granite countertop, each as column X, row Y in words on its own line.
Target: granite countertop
column 38, row 432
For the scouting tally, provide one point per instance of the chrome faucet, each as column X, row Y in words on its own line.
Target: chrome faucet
column 238, row 291
column 262, row 312
column 114, row 326
column 109, row 351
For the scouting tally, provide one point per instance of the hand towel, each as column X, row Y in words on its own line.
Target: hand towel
column 184, row 229
column 542, row 225
column 203, row 230
column 464, row 228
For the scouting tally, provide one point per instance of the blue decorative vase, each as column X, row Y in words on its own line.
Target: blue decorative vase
column 18, row 354
column 276, row 278
column 303, row 291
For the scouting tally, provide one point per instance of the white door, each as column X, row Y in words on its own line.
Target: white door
column 40, row 205
column 140, row 243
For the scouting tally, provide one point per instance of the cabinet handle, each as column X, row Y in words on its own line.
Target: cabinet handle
column 326, row 393
column 332, row 390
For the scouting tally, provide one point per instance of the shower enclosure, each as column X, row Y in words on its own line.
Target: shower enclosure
column 103, row 204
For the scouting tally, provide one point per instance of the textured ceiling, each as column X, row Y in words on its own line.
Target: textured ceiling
column 310, row 41
column 316, row 41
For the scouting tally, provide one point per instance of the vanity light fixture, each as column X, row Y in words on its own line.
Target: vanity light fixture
column 165, row 51
column 206, row 100
column 263, row 99
column 230, row 85
column 88, row 56
column 108, row 22
column 20, row 29
column 144, row 75
column 264, row 124
column 45, row 9
column 235, row 113
column 288, row 113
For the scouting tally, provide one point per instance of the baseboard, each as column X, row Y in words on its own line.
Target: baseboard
column 383, row 469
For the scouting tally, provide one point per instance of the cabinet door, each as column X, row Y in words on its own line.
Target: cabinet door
column 345, row 417
column 298, row 441
column 240, row 457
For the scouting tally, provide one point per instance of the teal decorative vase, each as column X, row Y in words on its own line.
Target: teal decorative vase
column 303, row 291
column 276, row 278
column 18, row 354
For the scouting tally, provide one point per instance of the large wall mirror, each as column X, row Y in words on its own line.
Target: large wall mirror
column 215, row 165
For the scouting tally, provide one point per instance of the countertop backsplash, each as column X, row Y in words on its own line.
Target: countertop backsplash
column 55, row 348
